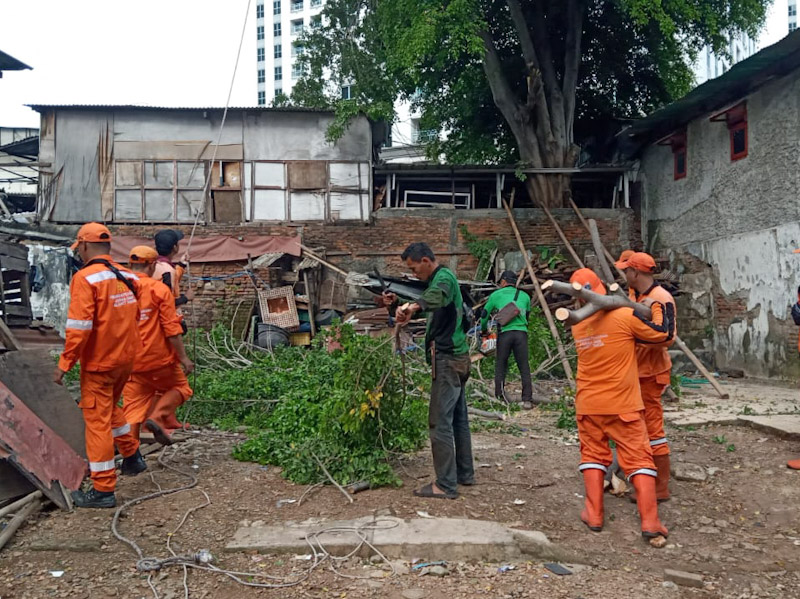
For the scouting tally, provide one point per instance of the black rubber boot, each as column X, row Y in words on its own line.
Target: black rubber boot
column 94, row 498
column 133, row 464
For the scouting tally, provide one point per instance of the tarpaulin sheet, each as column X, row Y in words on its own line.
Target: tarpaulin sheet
column 215, row 248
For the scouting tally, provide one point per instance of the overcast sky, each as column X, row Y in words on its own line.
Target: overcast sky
column 152, row 52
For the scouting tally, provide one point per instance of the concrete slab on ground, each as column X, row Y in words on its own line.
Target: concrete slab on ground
column 449, row 539
column 747, row 399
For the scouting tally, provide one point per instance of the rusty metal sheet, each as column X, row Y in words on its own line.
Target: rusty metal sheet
column 308, row 174
column 37, row 452
column 27, row 375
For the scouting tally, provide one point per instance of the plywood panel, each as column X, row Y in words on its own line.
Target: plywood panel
column 175, row 150
column 308, row 174
column 345, row 174
column 345, row 206
column 189, row 202
column 128, row 204
column 228, row 206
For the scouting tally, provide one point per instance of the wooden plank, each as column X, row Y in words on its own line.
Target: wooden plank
column 308, row 174
column 7, row 337
column 19, row 265
column 14, row 250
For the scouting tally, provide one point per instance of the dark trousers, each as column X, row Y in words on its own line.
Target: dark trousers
column 516, row 342
column 451, row 442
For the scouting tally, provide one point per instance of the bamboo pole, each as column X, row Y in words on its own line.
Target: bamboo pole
column 562, row 354
column 563, row 237
column 17, row 521
column 584, row 222
column 13, row 507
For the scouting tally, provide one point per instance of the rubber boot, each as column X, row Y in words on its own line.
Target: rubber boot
column 793, row 464
column 645, row 486
column 592, row 514
column 662, row 480
column 156, row 422
column 94, row 498
column 133, row 464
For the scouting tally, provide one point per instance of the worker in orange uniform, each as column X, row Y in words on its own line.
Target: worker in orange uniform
column 795, row 464
column 102, row 334
column 608, row 404
column 653, row 361
column 158, row 384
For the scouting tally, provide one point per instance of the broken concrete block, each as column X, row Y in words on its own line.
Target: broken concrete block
column 689, row 472
column 686, row 579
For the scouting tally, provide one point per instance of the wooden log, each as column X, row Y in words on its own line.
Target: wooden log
column 699, row 365
column 17, row 521
column 13, row 507
column 585, row 223
column 485, row 414
column 594, row 301
column 562, row 354
column 599, row 250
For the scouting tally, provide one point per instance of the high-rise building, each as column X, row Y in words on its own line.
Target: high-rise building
column 709, row 65
column 792, row 15
column 279, row 25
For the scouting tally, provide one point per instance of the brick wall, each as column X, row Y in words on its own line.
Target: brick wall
column 378, row 244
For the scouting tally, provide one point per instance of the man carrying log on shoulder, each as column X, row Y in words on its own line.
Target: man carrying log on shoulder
column 609, row 405
column 652, row 360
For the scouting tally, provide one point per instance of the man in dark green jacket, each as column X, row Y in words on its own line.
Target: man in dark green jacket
column 447, row 352
column 512, row 337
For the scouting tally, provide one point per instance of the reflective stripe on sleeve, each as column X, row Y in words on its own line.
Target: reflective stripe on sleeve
column 81, row 325
column 660, row 441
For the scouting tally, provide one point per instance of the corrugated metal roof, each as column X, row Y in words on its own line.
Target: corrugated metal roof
column 9, row 63
column 742, row 79
column 46, row 107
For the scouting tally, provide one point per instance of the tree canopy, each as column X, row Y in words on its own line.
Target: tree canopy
column 514, row 81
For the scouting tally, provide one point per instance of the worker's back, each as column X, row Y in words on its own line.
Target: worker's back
column 102, row 322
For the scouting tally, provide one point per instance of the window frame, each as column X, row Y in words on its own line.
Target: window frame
column 262, row 75
column 297, row 6
column 262, row 98
column 732, row 130
column 276, row 7
column 259, row 11
column 277, row 51
column 143, row 187
column 259, row 32
column 260, row 55
column 278, row 73
column 276, row 29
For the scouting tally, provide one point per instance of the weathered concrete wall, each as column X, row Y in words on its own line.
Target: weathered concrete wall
column 741, row 219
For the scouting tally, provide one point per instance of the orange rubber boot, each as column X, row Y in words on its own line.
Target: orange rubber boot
column 662, row 480
column 592, row 514
column 645, row 486
column 156, row 422
column 793, row 464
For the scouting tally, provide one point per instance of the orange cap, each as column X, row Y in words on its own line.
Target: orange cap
column 640, row 261
column 142, row 254
column 92, row 233
column 589, row 280
column 625, row 255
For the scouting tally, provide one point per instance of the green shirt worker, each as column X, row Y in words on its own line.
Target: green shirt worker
column 448, row 353
column 512, row 337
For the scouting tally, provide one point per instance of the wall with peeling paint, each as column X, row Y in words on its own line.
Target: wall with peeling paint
column 736, row 223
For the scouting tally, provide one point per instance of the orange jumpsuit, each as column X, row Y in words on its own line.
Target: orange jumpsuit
column 654, row 366
column 608, row 403
column 156, row 368
column 102, row 335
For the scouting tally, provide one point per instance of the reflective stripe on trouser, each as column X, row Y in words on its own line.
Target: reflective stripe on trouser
column 143, row 387
column 105, row 424
column 654, row 412
column 628, row 432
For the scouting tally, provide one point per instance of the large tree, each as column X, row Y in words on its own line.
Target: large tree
column 526, row 81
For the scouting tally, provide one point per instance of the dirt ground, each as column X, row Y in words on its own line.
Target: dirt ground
column 739, row 529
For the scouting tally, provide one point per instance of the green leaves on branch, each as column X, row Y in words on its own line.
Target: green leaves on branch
column 348, row 406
